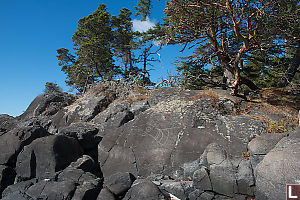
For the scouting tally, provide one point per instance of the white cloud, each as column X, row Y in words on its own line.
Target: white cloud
column 142, row 26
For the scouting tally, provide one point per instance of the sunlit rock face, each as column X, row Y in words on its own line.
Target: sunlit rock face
column 117, row 142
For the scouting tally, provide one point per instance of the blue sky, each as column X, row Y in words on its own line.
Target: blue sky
column 30, row 33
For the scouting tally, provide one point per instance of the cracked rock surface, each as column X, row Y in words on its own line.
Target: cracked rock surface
column 115, row 143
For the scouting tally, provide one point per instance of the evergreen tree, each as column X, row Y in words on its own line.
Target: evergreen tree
column 229, row 30
column 124, row 40
column 284, row 25
column 143, row 8
column 78, row 76
column 93, row 44
column 51, row 88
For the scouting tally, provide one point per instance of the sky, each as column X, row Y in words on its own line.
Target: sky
column 30, row 33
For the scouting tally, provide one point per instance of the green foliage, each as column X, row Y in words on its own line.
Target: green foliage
column 93, row 44
column 124, row 42
column 98, row 41
column 143, row 8
column 51, row 88
column 281, row 126
column 243, row 36
column 196, row 76
column 77, row 75
column 266, row 69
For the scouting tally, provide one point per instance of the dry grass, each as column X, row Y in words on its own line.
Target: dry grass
column 273, row 100
column 208, row 94
column 277, row 100
column 285, row 98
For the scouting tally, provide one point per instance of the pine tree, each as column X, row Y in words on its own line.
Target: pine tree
column 93, row 44
column 51, row 88
column 124, row 40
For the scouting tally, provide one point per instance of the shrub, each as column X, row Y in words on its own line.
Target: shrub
column 51, row 88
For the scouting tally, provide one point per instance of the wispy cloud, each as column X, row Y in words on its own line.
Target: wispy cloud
column 142, row 26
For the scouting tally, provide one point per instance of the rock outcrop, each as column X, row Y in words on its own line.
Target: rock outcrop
column 117, row 142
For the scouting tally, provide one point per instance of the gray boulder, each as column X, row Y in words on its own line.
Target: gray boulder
column 227, row 176
column 7, row 123
column 201, row 179
column 223, row 178
column 105, row 194
column 116, row 115
column 278, row 168
column 179, row 189
column 88, row 187
column 12, row 142
column 119, row 183
column 245, row 178
column 85, row 133
column 47, row 104
column 52, row 190
column 17, row 191
column 82, row 110
column 45, row 156
column 261, row 145
column 144, row 189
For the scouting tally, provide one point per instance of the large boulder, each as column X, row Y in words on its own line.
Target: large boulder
column 7, row 123
column 261, row 145
column 228, row 177
column 7, row 177
column 47, row 104
column 144, row 189
column 278, row 168
column 88, row 185
column 179, row 189
column 45, row 156
column 83, row 109
column 51, row 190
column 176, row 131
column 17, row 191
column 12, row 142
column 105, row 194
column 119, row 183
column 85, row 133
column 116, row 115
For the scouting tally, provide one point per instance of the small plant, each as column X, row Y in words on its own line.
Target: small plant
column 280, row 126
column 51, row 88
column 246, row 155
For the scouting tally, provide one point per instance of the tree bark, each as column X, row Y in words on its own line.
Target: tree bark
column 233, row 79
column 292, row 69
